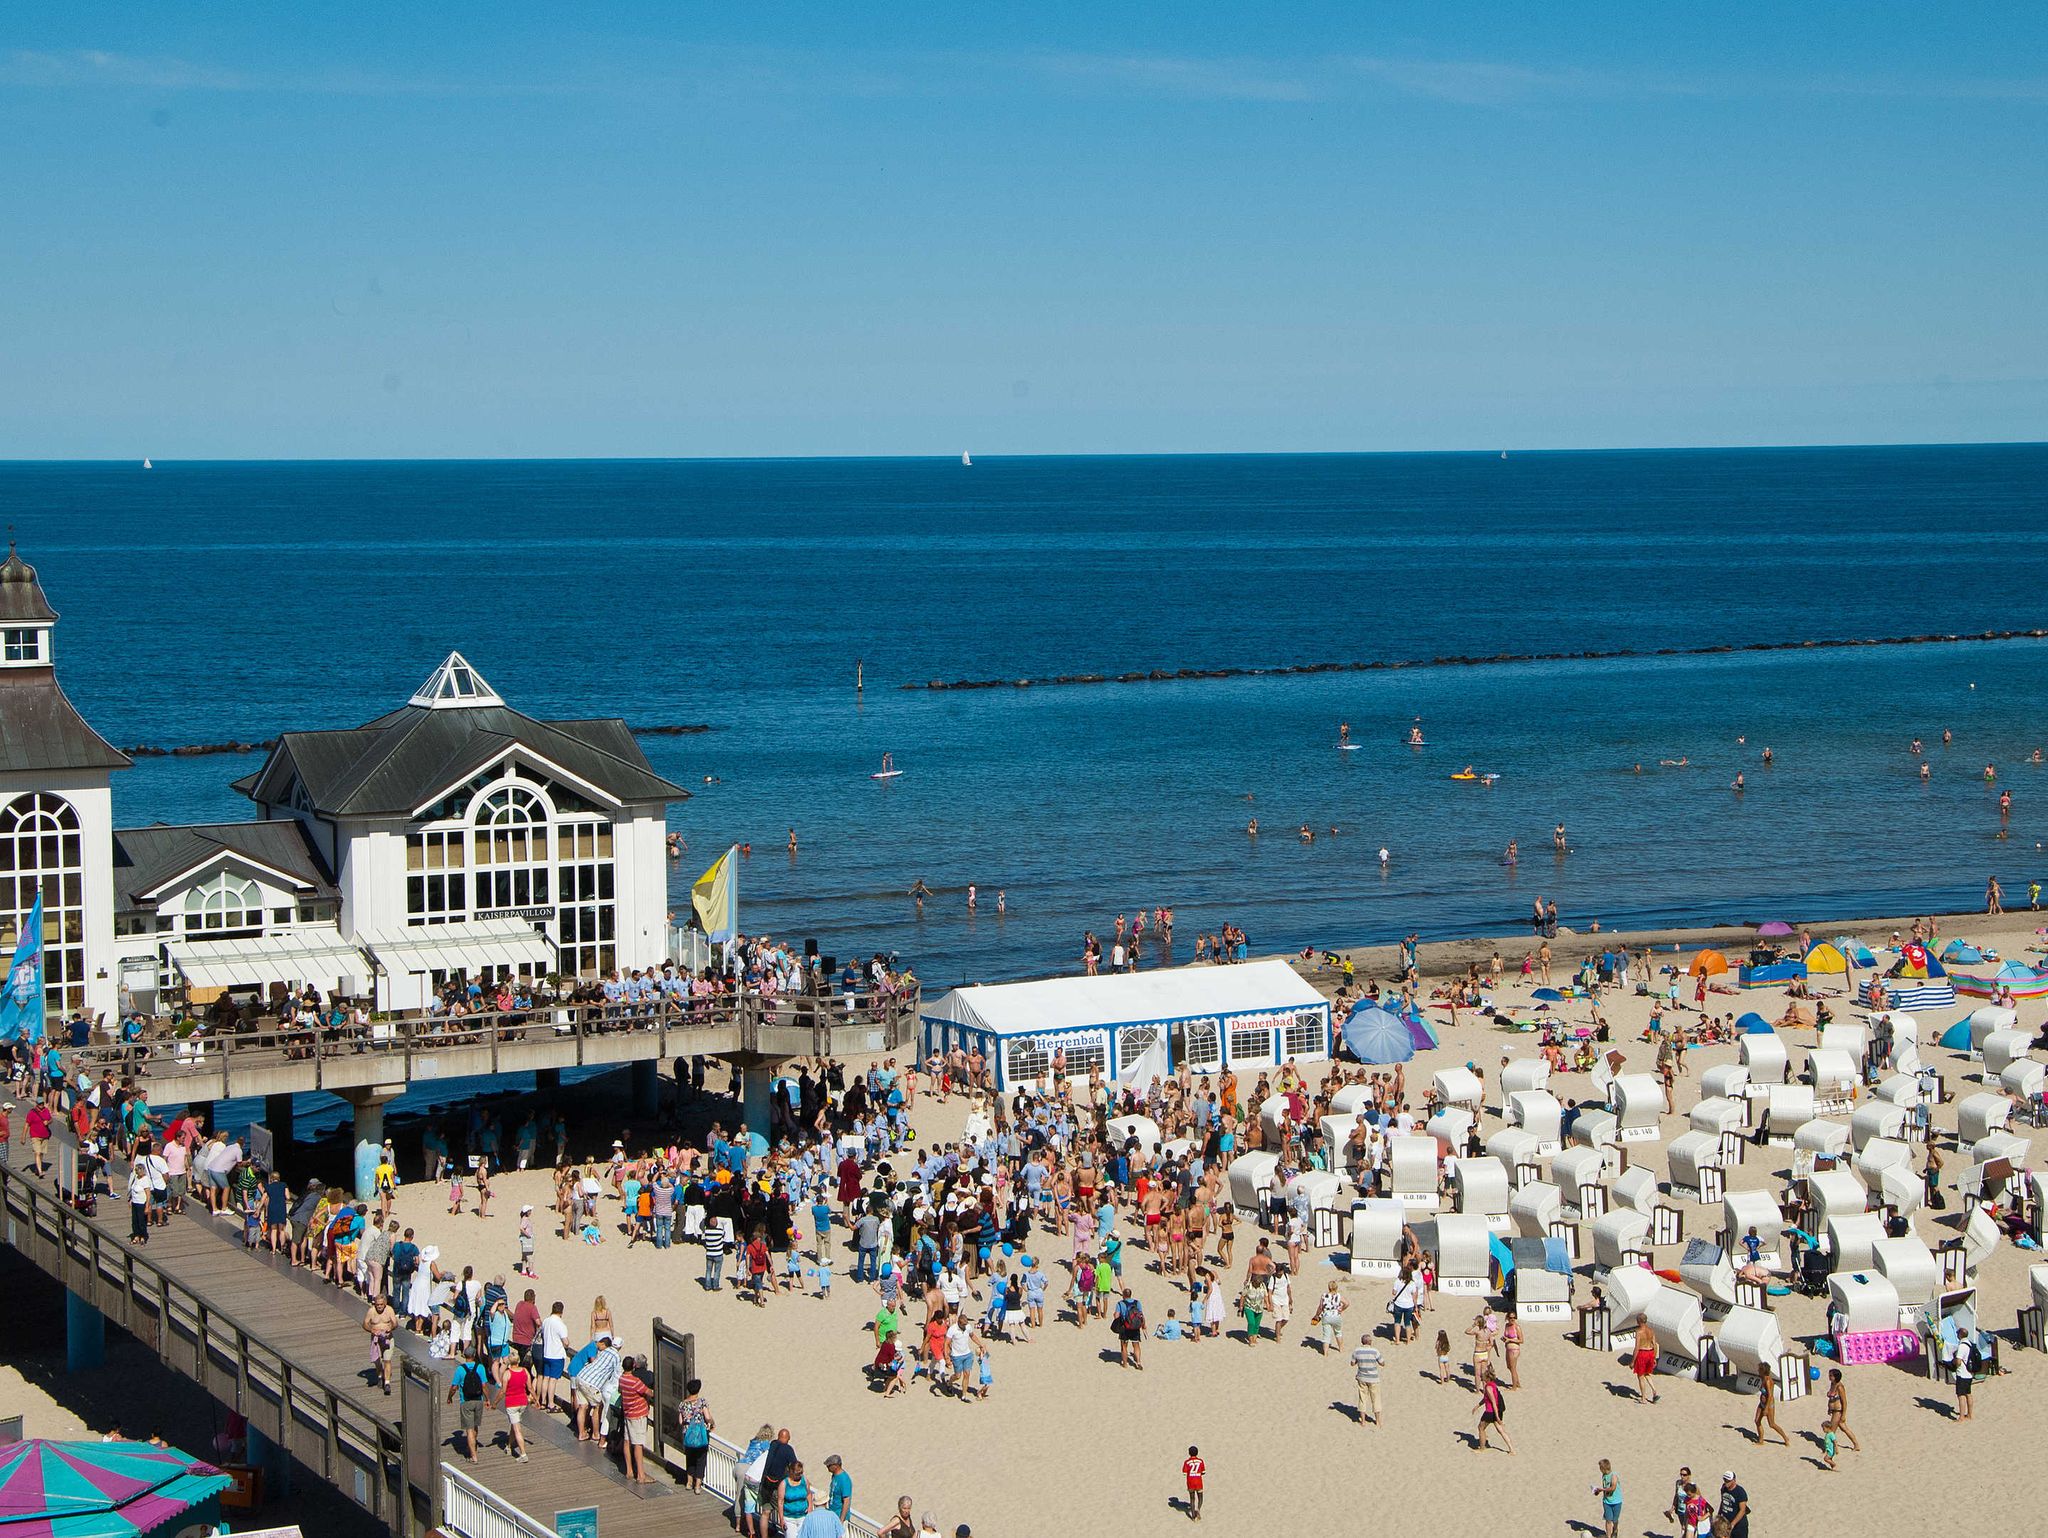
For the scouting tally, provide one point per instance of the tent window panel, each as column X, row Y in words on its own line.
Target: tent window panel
column 1084, row 1053
column 1204, row 1044
column 1255, row 1042
column 1304, row 1036
column 1026, row 1058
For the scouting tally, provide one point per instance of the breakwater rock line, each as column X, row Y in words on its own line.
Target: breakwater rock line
column 205, row 749
column 1301, row 669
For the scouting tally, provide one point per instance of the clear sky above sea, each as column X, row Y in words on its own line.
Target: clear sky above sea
column 686, row 229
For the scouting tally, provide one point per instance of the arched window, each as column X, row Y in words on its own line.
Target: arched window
column 41, row 852
column 512, row 848
column 227, row 906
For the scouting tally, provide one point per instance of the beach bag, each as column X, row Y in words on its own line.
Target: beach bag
column 696, row 1435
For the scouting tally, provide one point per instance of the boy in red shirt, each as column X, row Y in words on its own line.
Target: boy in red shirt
column 1192, row 1470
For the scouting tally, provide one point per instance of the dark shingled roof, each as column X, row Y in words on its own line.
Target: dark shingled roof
column 21, row 596
column 40, row 729
column 404, row 759
column 144, row 858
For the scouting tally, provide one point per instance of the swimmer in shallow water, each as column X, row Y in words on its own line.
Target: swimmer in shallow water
column 1514, row 853
column 1252, row 827
column 1737, row 787
column 1923, row 770
column 1769, row 755
column 1308, row 834
column 1673, row 763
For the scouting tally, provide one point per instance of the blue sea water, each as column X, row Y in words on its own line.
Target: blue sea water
column 203, row 602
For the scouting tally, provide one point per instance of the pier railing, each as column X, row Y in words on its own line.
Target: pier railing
column 474, row 1511
column 573, row 1034
column 347, row 1446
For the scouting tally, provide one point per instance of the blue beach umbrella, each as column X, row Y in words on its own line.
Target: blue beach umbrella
column 1550, row 994
column 1754, row 1024
column 1378, row 1036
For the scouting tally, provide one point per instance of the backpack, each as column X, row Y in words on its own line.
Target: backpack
column 462, row 1301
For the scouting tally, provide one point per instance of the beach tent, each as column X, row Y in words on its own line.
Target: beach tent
column 1754, row 1024
column 1133, row 1025
column 1917, row 961
column 1549, row 995
column 1963, row 951
column 1827, row 960
column 105, row 1490
column 1421, row 1032
column 1708, row 963
column 1856, row 951
column 1378, row 1036
column 1957, row 1037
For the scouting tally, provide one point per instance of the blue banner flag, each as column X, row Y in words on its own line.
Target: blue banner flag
column 21, row 1006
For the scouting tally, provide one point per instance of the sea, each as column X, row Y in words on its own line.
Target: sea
column 796, row 609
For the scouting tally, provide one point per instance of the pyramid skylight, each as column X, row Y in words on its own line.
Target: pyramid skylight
column 455, row 685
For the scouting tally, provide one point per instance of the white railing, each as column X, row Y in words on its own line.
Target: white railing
column 475, row 1512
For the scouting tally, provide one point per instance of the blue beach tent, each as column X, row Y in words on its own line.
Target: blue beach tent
column 1957, row 1037
column 1754, row 1024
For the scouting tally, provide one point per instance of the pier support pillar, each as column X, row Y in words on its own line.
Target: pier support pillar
column 275, row 1463
column 756, row 1084
column 647, row 1088
column 85, row 1334
column 547, row 1081
column 368, row 1103
column 277, row 1116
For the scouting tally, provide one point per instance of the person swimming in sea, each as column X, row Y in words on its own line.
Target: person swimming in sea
column 1737, row 787
column 792, row 841
column 920, row 891
column 1514, row 852
column 1343, row 731
column 1990, row 773
column 1557, row 838
column 1252, row 827
column 1769, row 755
column 1674, row 763
column 1924, row 774
column 1915, row 748
column 1308, row 834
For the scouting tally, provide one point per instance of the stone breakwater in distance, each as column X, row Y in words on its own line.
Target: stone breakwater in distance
column 1298, row 669
column 202, row 749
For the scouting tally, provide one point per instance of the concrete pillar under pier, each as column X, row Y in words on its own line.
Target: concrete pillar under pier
column 368, row 1103
column 275, row 1463
column 277, row 1116
column 647, row 1088
column 85, row 1334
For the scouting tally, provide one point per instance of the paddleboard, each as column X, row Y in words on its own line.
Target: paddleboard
column 1464, row 776
column 1349, row 747
column 885, row 774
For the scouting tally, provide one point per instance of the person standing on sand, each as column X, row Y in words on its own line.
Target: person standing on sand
column 1609, row 1491
column 1994, row 896
column 1644, row 1363
column 1365, row 1366
column 1194, row 1472
column 1543, row 962
column 1767, row 1412
column 1491, row 1416
column 1838, row 1407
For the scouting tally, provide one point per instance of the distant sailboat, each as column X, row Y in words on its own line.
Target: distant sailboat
column 966, row 459
column 1503, row 453
column 147, row 465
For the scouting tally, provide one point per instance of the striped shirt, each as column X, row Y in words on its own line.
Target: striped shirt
column 714, row 1240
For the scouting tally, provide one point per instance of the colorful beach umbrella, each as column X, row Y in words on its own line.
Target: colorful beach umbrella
column 1774, row 928
column 99, row 1489
column 1377, row 1035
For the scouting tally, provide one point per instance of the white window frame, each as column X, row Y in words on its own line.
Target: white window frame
column 1026, row 1057
column 1304, row 1036
column 1257, row 1042
column 1202, row 1045
column 1089, row 1048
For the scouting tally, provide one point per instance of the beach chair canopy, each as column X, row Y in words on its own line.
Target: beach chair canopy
column 1707, row 963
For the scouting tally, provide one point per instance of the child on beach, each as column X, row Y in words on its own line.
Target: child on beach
column 454, row 1189
column 1194, row 1473
column 592, row 1234
column 525, row 1266
column 1443, row 1356
column 822, row 1274
column 1827, row 1443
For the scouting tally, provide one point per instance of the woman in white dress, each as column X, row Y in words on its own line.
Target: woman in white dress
column 1212, row 1305
column 419, row 1298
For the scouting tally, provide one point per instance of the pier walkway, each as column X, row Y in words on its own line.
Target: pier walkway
column 289, row 1354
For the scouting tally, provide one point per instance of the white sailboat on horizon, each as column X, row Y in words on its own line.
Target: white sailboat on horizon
column 147, row 465
column 966, row 459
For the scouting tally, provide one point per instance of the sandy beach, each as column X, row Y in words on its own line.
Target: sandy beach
column 1068, row 1437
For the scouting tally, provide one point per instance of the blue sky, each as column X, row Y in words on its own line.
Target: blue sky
column 684, row 229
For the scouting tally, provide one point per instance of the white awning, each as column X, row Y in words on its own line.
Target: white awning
column 316, row 955
column 468, row 947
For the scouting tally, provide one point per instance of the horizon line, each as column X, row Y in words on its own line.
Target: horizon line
column 947, row 456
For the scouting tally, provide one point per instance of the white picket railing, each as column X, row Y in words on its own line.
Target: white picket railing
column 476, row 1512
column 722, row 1478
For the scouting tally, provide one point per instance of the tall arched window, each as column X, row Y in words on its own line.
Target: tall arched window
column 227, row 907
column 511, row 843
column 41, row 851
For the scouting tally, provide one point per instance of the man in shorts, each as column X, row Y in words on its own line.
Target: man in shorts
column 466, row 1392
column 636, row 1400
column 1365, row 1364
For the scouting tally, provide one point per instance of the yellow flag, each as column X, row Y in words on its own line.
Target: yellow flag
column 715, row 897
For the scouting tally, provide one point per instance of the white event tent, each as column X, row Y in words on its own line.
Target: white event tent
column 1133, row 1025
